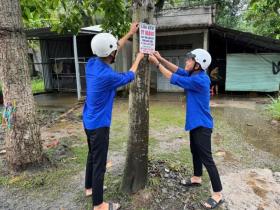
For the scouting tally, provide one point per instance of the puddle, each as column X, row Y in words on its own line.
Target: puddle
column 56, row 101
column 253, row 125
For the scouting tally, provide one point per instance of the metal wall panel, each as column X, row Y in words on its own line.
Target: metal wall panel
column 253, row 72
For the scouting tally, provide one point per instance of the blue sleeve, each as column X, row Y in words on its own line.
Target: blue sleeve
column 120, row 79
column 182, row 72
column 189, row 83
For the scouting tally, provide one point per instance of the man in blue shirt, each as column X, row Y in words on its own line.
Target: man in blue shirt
column 199, row 121
column 102, row 82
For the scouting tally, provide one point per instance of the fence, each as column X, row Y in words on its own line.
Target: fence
column 59, row 74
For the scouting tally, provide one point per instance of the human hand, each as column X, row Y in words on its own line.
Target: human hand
column 133, row 28
column 157, row 55
column 153, row 59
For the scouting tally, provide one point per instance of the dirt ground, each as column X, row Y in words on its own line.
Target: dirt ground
column 246, row 148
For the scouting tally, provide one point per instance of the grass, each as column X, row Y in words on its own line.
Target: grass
column 49, row 176
column 37, row 85
column 162, row 116
column 274, row 108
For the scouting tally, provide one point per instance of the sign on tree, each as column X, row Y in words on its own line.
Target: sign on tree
column 147, row 38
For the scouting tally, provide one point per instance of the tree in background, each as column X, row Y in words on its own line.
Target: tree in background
column 229, row 12
column 264, row 16
column 70, row 15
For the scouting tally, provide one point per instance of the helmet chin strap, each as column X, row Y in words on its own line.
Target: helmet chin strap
column 113, row 59
column 113, row 56
column 198, row 68
column 193, row 69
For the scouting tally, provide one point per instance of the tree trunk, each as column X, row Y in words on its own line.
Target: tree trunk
column 136, row 168
column 23, row 143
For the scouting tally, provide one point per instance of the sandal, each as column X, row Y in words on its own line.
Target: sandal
column 189, row 183
column 212, row 203
column 114, row 206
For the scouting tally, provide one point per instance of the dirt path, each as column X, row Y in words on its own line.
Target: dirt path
column 252, row 189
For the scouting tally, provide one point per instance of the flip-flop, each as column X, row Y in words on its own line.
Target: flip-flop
column 190, row 184
column 114, row 206
column 212, row 203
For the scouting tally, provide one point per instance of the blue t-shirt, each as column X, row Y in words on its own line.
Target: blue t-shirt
column 197, row 87
column 102, row 82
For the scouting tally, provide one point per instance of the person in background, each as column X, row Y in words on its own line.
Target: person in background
column 215, row 79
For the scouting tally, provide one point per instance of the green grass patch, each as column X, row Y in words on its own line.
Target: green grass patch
column 164, row 115
column 274, row 108
column 80, row 155
column 153, row 142
column 52, row 176
column 37, row 85
column 4, row 180
column 118, row 142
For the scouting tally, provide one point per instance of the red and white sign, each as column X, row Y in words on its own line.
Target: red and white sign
column 147, row 38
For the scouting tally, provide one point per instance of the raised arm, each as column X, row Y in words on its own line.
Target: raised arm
column 189, row 83
column 120, row 79
column 135, row 64
column 133, row 29
column 172, row 67
column 166, row 72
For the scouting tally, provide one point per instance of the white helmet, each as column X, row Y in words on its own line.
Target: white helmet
column 103, row 44
column 201, row 56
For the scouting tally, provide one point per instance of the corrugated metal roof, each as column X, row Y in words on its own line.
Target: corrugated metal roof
column 43, row 33
column 249, row 38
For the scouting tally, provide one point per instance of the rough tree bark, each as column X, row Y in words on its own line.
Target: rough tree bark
column 136, row 168
column 23, row 142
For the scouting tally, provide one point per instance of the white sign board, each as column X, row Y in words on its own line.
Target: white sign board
column 147, row 38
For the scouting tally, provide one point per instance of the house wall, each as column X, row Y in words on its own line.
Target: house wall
column 183, row 16
column 253, row 72
column 239, row 62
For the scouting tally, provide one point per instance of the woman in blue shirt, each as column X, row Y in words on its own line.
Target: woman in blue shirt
column 199, row 121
